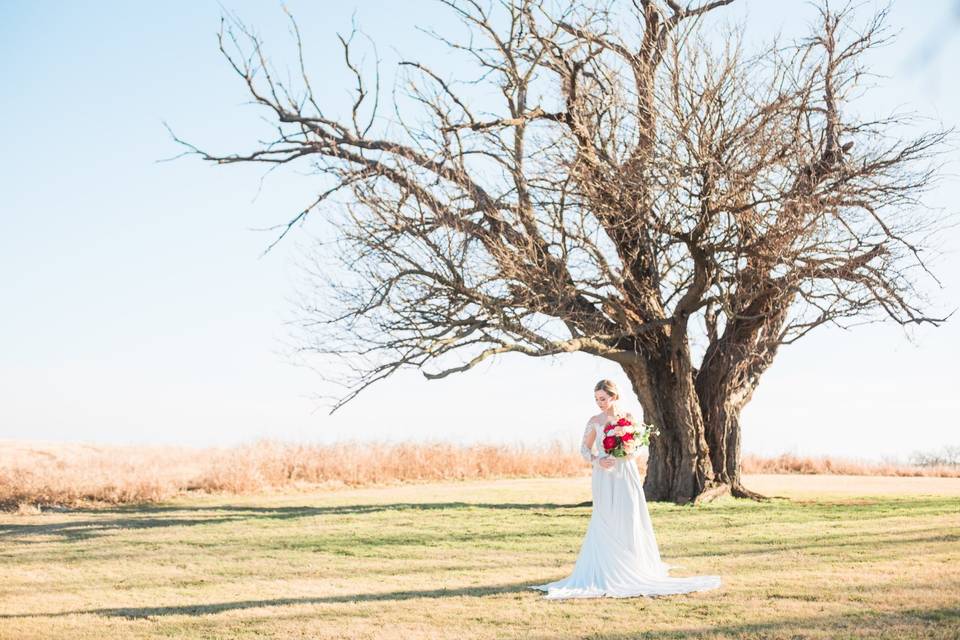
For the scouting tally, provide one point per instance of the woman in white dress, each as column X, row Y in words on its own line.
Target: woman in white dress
column 619, row 557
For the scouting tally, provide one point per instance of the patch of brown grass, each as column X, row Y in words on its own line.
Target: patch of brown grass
column 790, row 463
column 272, row 464
column 66, row 474
column 51, row 474
column 69, row 474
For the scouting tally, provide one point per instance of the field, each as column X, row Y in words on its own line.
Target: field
column 38, row 475
column 832, row 556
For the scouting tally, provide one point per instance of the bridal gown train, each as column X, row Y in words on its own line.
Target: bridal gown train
column 619, row 557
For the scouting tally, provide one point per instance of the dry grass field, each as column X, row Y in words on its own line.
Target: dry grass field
column 829, row 557
column 36, row 475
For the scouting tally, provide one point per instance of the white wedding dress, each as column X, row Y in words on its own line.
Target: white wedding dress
column 619, row 557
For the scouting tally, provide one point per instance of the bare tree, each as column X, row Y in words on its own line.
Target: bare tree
column 629, row 192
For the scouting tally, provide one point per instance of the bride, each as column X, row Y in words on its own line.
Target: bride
column 619, row 556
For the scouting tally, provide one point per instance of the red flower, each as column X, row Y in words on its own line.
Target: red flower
column 607, row 428
column 609, row 442
column 627, row 436
column 622, row 422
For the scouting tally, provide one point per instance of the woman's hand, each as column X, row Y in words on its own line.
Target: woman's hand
column 607, row 463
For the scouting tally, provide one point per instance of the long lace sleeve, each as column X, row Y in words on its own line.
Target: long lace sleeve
column 587, row 442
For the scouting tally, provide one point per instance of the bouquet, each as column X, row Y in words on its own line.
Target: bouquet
column 623, row 438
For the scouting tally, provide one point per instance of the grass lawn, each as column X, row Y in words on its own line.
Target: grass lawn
column 832, row 557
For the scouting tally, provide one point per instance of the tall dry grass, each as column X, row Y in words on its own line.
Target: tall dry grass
column 69, row 475
column 270, row 464
column 48, row 474
column 791, row 463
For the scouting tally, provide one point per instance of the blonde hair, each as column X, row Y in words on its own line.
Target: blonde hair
column 609, row 387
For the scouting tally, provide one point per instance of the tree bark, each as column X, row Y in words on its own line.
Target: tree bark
column 679, row 468
column 723, row 434
column 730, row 372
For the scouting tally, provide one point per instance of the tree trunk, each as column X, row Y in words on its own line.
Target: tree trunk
column 679, row 468
column 730, row 373
column 722, row 431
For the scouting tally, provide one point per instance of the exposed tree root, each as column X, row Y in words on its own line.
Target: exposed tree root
column 711, row 493
column 740, row 491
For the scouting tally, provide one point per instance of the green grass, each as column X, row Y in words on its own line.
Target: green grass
column 455, row 561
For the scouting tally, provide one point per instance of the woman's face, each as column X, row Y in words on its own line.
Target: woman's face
column 603, row 399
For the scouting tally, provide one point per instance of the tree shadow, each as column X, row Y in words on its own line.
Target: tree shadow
column 218, row 607
column 100, row 522
column 300, row 511
column 79, row 530
column 933, row 622
column 839, row 540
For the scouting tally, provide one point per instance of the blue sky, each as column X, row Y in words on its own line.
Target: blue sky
column 137, row 308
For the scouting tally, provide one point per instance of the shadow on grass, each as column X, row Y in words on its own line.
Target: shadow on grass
column 934, row 622
column 298, row 512
column 840, row 540
column 101, row 522
column 940, row 622
column 77, row 530
column 207, row 609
